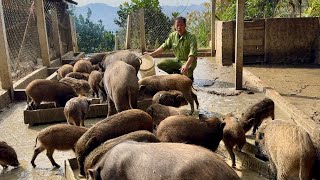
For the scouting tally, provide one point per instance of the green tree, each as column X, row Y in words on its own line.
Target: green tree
column 92, row 37
column 157, row 24
column 198, row 23
column 254, row 9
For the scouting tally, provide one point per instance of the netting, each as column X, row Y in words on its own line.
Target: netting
column 159, row 24
column 49, row 11
column 64, row 28
column 22, row 34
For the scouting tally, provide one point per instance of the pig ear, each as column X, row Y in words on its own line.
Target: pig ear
column 222, row 125
column 203, row 117
column 142, row 88
column 261, row 135
column 251, row 120
column 89, row 101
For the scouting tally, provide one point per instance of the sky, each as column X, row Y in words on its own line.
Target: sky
column 116, row 3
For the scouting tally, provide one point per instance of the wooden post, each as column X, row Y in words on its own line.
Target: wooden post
column 5, row 73
column 213, row 27
column 73, row 36
column 42, row 31
column 56, row 34
column 265, row 41
column 142, row 31
column 128, row 34
column 116, row 41
column 239, row 43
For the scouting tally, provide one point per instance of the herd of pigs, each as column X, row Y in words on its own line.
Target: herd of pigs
column 163, row 142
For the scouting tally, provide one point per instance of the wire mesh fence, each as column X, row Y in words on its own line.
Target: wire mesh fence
column 22, row 34
column 64, row 28
column 158, row 24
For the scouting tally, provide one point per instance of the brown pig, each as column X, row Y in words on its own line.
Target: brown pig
column 140, row 136
column 139, row 160
column 111, row 127
column 8, row 156
column 76, row 110
column 180, row 128
column 64, row 70
column 80, row 86
column 288, row 147
column 159, row 112
column 40, row 90
column 233, row 134
column 121, row 84
column 153, row 84
column 255, row 114
column 94, row 79
column 122, row 55
column 83, row 66
column 96, row 58
column 170, row 98
column 78, row 75
column 57, row 137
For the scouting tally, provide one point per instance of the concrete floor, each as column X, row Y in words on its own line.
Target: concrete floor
column 299, row 84
column 210, row 80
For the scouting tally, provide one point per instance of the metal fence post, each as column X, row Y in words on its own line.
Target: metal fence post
column 42, row 31
column 128, row 34
column 5, row 73
column 142, row 31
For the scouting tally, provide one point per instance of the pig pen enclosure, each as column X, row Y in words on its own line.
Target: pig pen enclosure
column 29, row 25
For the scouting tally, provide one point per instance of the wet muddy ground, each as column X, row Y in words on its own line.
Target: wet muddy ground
column 299, row 84
column 216, row 94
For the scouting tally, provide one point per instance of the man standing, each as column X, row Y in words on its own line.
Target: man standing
column 184, row 46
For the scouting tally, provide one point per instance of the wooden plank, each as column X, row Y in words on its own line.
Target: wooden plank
column 253, row 42
column 239, row 43
column 213, row 27
column 42, row 31
column 128, row 34
column 5, row 73
column 56, row 34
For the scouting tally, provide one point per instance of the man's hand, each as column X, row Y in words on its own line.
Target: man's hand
column 184, row 69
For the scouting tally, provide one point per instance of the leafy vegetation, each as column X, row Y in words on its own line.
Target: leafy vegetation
column 92, row 37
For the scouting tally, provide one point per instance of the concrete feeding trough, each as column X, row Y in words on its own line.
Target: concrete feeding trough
column 71, row 170
column 48, row 113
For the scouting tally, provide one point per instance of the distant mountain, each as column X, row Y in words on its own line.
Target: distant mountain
column 108, row 13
